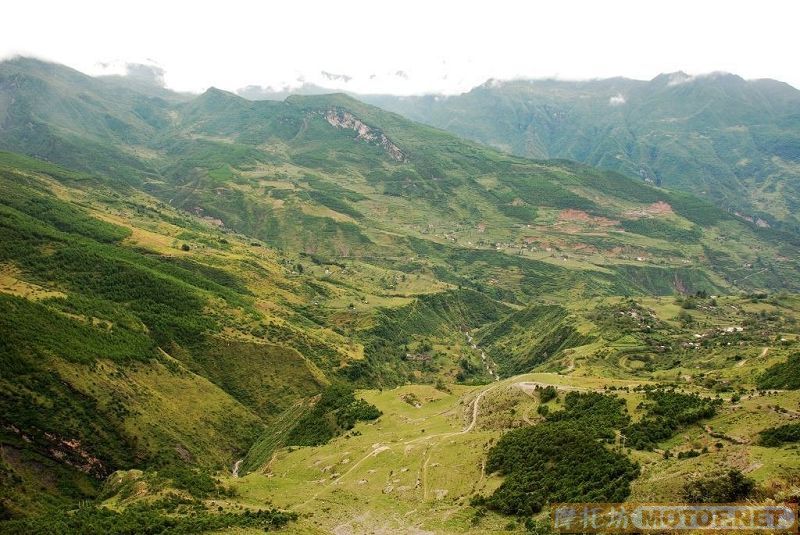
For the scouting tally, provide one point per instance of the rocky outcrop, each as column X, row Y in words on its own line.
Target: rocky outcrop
column 344, row 119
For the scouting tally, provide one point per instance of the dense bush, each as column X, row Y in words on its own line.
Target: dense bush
column 777, row 436
column 547, row 393
column 732, row 486
column 34, row 331
column 666, row 412
column 782, row 375
column 145, row 519
column 556, row 462
column 197, row 483
column 598, row 414
column 563, row 459
column 336, row 411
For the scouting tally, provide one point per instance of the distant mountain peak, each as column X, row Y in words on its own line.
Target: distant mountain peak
column 215, row 91
column 681, row 77
column 214, row 95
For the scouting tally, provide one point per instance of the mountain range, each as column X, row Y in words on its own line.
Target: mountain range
column 732, row 141
column 192, row 287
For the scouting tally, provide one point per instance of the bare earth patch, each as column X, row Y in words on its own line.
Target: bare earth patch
column 579, row 216
column 656, row 209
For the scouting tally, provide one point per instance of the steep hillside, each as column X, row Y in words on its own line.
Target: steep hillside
column 525, row 339
column 118, row 337
column 184, row 280
column 733, row 141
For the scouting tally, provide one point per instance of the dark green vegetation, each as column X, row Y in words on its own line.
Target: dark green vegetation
column 564, row 459
column 529, row 337
column 598, row 413
column 730, row 487
column 774, row 437
column 735, row 141
column 398, row 345
column 547, row 393
column 337, row 411
column 556, row 463
column 782, row 375
column 666, row 412
column 168, row 516
column 94, row 314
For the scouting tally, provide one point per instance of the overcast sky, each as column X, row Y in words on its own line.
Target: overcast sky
column 407, row 46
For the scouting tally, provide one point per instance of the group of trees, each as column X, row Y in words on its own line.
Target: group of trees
column 599, row 414
column 730, row 487
column 782, row 375
column 547, row 393
column 168, row 516
column 666, row 411
column 563, row 459
column 777, row 436
column 337, row 411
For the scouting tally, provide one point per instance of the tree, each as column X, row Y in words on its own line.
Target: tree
column 547, row 393
column 730, row 487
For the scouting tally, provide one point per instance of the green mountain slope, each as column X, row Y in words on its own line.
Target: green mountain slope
column 180, row 276
column 732, row 141
column 375, row 185
column 115, row 354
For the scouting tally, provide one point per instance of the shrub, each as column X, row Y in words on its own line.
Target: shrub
column 556, row 462
column 547, row 393
column 777, row 436
column 562, row 459
column 666, row 412
column 337, row 411
column 782, row 375
column 729, row 487
column 156, row 518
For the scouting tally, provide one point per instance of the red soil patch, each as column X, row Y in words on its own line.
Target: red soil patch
column 579, row 216
column 655, row 209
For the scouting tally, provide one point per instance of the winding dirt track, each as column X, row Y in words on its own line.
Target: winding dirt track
column 422, row 480
column 379, row 448
column 760, row 355
column 475, row 413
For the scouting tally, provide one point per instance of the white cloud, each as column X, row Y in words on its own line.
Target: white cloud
column 617, row 100
column 335, row 77
column 678, row 78
column 272, row 43
column 146, row 70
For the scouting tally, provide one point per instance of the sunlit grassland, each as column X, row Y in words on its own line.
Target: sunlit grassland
column 373, row 477
column 329, row 485
column 162, row 403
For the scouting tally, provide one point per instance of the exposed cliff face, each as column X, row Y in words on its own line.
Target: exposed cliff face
column 344, row 119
